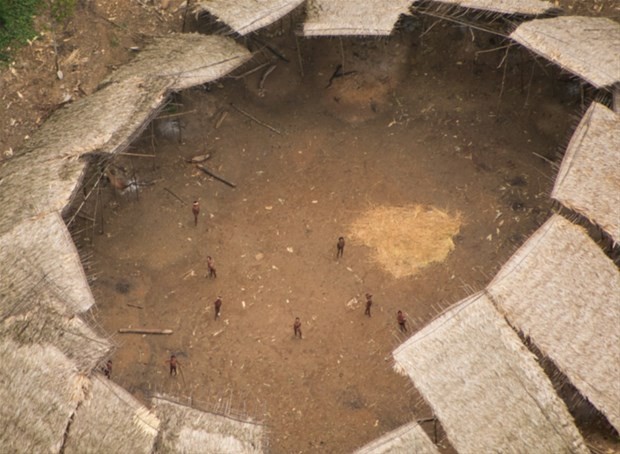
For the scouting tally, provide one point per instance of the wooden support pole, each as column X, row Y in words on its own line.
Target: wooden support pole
column 138, row 155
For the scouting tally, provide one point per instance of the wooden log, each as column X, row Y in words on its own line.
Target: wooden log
column 217, row 177
column 144, row 331
column 134, row 305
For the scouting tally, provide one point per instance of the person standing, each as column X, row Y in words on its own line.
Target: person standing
column 217, row 304
column 368, row 304
column 195, row 211
column 402, row 322
column 297, row 327
column 173, row 365
column 211, row 271
column 340, row 247
column 107, row 369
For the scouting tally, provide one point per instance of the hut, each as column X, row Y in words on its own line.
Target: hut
column 585, row 46
column 351, row 17
column 246, row 16
column 111, row 420
column 407, row 439
column 46, row 354
column 185, row 59
column 520, row 7
column 42, row 250
column 186, row 429
column 562, row 291
column 588, row 181
column 483, row 384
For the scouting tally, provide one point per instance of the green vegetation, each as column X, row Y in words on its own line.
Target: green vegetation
column 61, row 10
column 16, row 25
column 16, row 19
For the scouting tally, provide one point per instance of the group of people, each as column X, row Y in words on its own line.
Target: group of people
column 400, row 317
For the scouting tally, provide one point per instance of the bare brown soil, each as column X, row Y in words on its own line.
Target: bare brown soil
column 421, row 122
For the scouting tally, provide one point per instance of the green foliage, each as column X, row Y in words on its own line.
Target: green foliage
column 16, row 19
column 16, row 24
column 61, row 10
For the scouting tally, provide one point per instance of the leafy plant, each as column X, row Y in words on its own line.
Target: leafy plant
column 16, row 23
column 62, row 10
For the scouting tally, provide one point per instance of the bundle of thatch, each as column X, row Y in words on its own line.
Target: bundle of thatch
column 352, row 17
column 407, row 439
column 185, row 60
column 40, row 390
column 111, row 420
column 42, row 249
column 563, row 292
column 185, row 429
column 585, row 46
column 520, row 7
column 485, row 387
column 246, row 16
column 589, row 181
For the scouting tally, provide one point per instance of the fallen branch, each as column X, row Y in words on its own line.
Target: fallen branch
column 144, row 331
column 134, row 305
column 252, row 117
column 174, row 195
column 217, row 177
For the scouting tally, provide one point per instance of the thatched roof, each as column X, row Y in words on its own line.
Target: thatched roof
column 36, row 185
column 246, row 16
column 43, row 175
column 41, row 319
column 111, row 420
column 352, row 17
column 407, row 439
column 564, row 293
column 185, row 59
column 40, row 391
column 42, row 249
column 522, row 7
column 185, row 429
column 589, row 181
column 485, row 387
column 586, row 46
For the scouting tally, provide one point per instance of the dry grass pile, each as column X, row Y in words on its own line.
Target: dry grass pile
column 406, row 239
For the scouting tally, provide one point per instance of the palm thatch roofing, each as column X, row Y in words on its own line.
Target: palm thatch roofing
column 352, row 17
column 563, row 292
column 42, row 251
column 42, row 319
column 407, row 439
column 588, row 181
column 111, row 420
column 585, row 46
column 522, row 7
column 40, row 391
column 485, row 387
column 246, row 16
column 186, row 59
column 185, row 429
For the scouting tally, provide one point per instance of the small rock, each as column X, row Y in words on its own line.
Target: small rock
column 259, row 256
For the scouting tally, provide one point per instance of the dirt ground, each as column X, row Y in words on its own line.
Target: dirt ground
column 420, row 123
